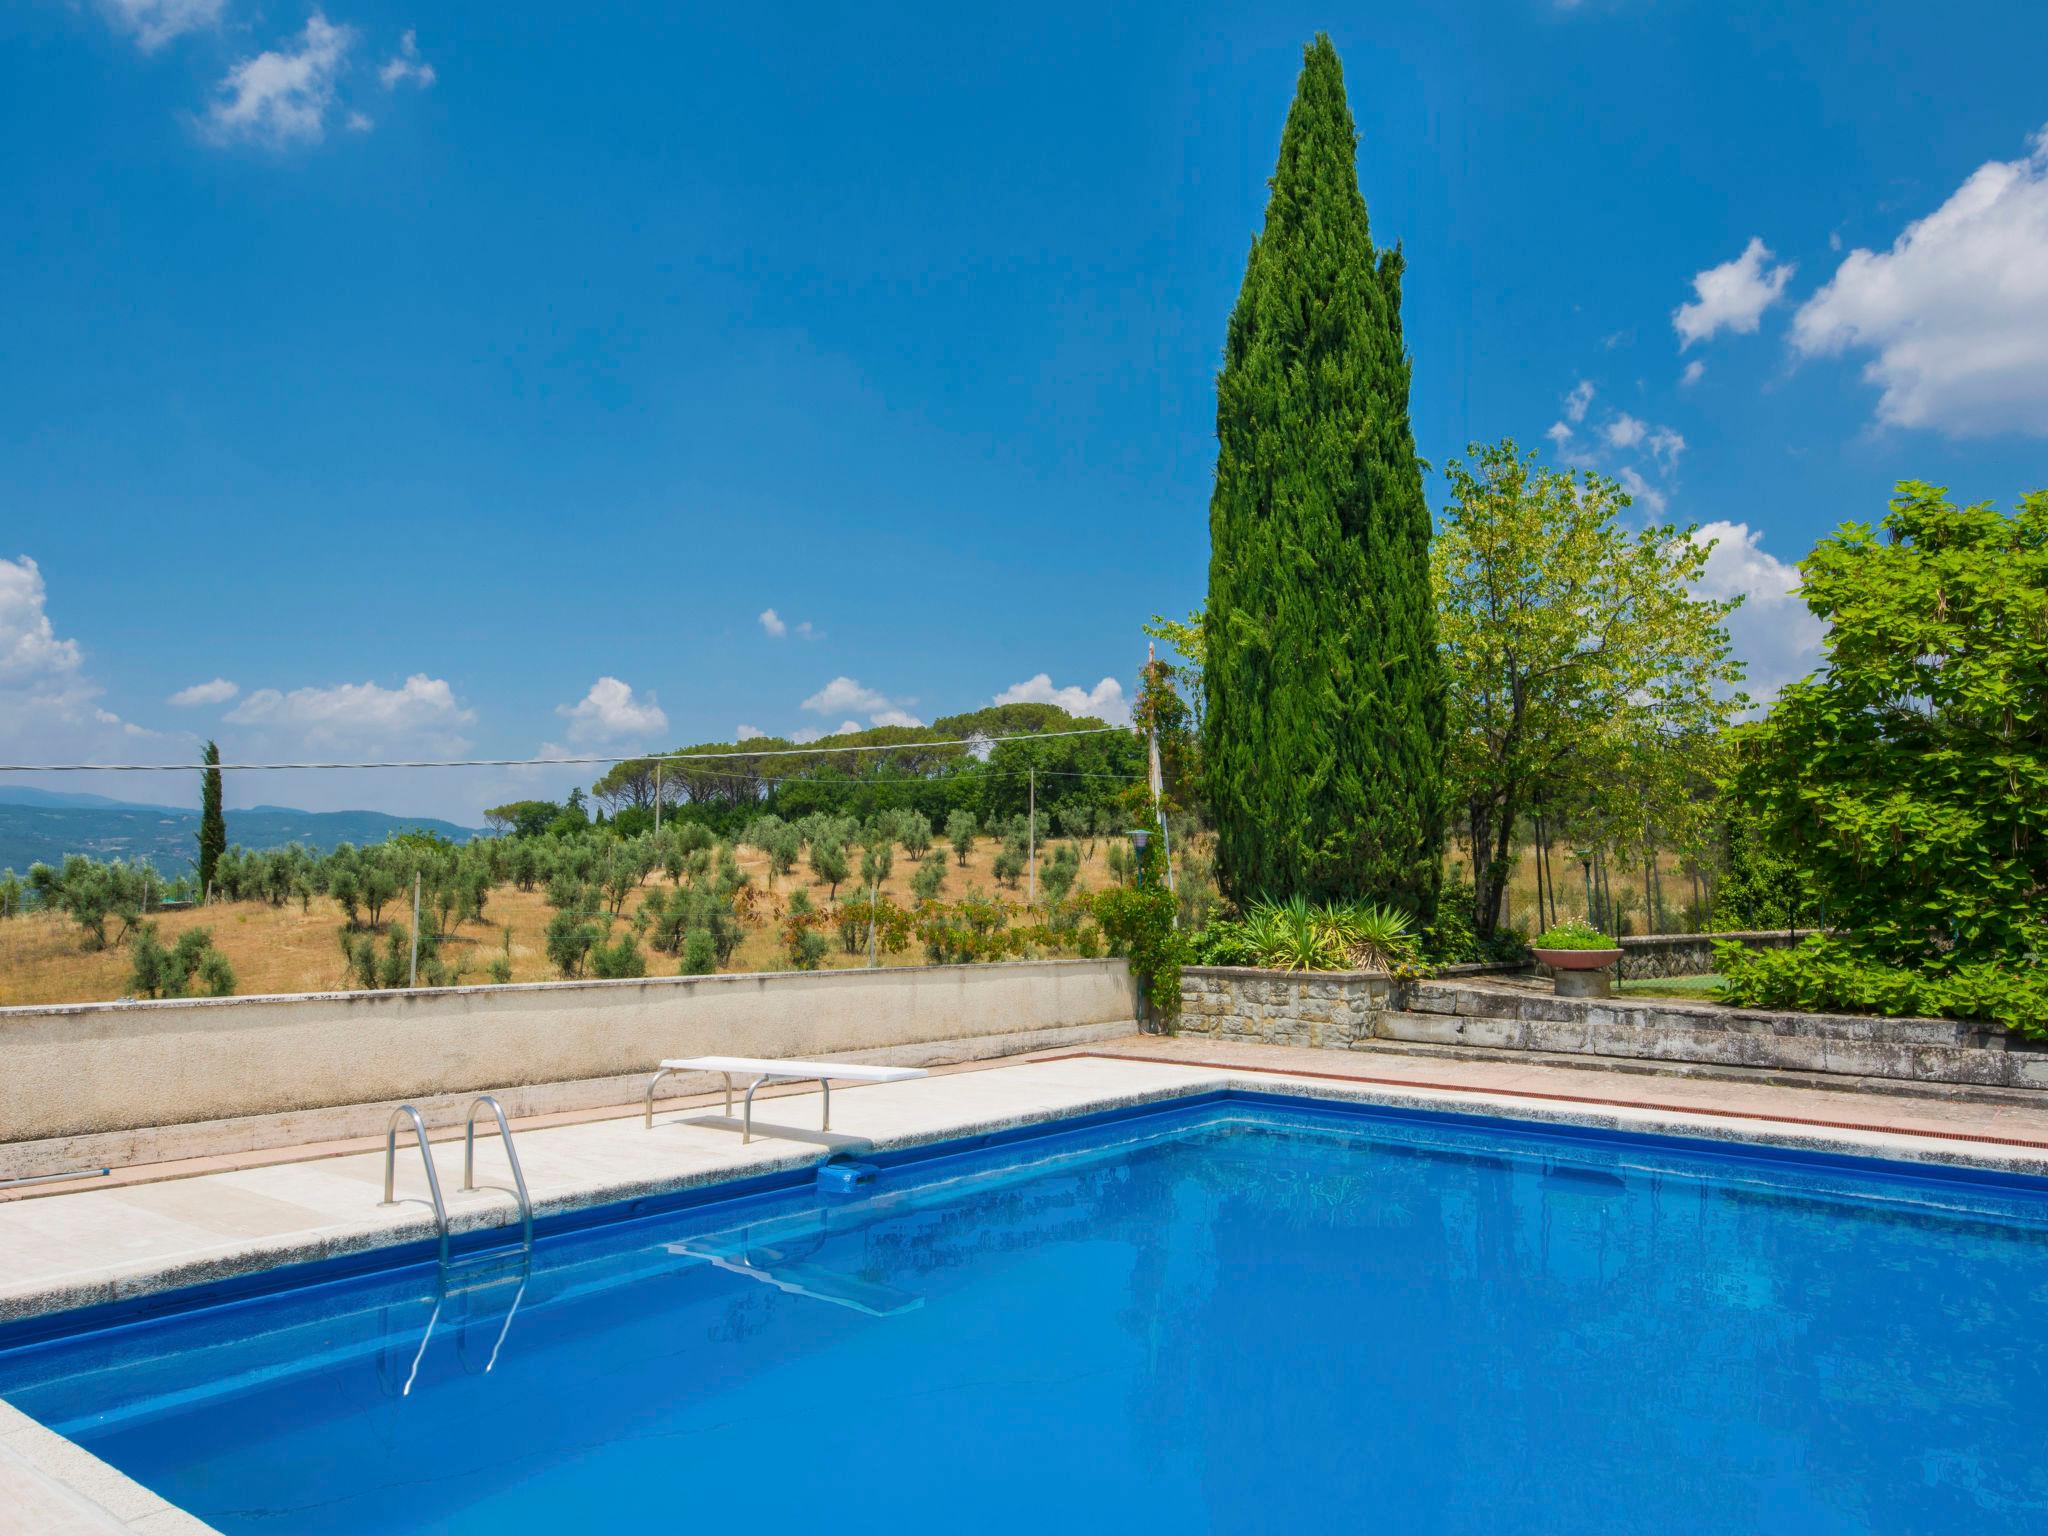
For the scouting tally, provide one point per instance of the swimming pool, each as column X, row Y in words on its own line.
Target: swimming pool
column 1239, row 1313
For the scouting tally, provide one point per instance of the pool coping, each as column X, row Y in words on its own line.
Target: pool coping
column 62, row 1470
column 400, row 1236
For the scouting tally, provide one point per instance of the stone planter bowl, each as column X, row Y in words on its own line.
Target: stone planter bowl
column 1581, row 972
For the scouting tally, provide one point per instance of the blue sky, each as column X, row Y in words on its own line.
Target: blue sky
column 473, row 378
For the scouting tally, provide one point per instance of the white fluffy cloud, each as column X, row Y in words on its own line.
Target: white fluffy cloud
column 1578, row 400
column 749, row 733
column 1773, row 631
column 219, row 691
column 406, row 65
column 49, row 707
column 152, row 23
column 29, row 648
column 811, row 733
column 1956, row 312
column 422, row 712
column 844, row 693
column 611, row 711
column 893, row 717
column 1625, row 431
column 772, row 622
column 283, row 95
column 1105, row 700
column 1732, row 296
column 1693, row 372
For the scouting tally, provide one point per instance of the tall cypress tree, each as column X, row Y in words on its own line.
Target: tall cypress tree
column 213, row 826
column 1323, row 738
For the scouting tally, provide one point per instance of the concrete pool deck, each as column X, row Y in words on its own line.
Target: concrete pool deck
column 177, row 1225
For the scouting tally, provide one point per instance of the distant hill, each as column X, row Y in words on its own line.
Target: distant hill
column 40, row 825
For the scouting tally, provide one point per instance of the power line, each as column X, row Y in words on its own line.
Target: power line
column 562, row 762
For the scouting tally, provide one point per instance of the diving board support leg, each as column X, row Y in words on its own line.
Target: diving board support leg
column 653, row 1083
column 747, row 1125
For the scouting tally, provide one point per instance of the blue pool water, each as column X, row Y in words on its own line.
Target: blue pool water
column 1247, row 1314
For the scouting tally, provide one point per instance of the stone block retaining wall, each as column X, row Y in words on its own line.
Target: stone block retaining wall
column 1690, row 954
column 1345, row 1010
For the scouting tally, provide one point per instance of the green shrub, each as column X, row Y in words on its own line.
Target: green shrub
column 1829, row 975
column 1226, row 941
column 961, row 828
column 570, row 940
column 619, row 960
column 155, row 971
column 930, row 877
column 1138, row 923
column 802, row 944
column 1573, row 933
column 700, row 955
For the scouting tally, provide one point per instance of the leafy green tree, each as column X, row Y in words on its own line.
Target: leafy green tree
column 619, row 960
column 13, row 894
column 930, row 877
column 802, row 944
column 213, row 825
column 915, row 829
column 1322, row 736
column 700, row 954
column 1581, row 666
column 156, row 971
column 1061, row 869
column 570, row 939
column 961, row 828
column 829, row 863
column 876, row 860
column 1910, row 774
column 1758, row 887
column 379, row 888
column 523, row 818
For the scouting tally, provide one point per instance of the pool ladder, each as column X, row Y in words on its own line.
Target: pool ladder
column 406, row 1112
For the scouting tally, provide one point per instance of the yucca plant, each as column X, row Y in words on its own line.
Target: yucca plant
column 1374, row 938
column 1293, row 936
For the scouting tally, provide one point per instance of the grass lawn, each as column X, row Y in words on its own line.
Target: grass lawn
column 1702, row 987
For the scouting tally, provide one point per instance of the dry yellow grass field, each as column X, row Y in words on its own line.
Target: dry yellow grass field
column 281, row 949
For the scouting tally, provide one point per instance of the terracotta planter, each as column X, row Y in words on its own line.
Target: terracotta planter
column 1578, row 959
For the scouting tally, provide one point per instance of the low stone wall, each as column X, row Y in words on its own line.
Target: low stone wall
column 99, row 1068
column 1348, row 1010
column 1657, row 955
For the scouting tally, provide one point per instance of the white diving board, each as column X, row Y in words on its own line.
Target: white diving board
column 766, row 1070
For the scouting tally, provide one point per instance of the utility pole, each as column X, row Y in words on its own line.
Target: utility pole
column 415, row 930
column 1031, row 858
column 1158, row 784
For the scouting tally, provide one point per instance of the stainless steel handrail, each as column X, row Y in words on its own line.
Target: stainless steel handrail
column 511, row 1156
column 419, row 1130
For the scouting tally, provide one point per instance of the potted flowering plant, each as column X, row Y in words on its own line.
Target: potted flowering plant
column 1580, row 955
